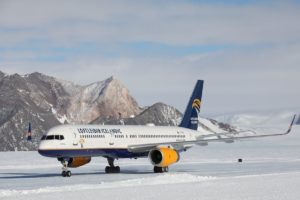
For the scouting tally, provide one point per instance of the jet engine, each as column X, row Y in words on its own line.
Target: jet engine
column 163, row 156
column 78, row 161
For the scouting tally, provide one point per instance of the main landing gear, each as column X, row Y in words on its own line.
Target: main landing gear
column 65, row 172
column 160, row 169
column 111, row 168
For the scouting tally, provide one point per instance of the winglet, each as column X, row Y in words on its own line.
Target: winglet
column 291, row 125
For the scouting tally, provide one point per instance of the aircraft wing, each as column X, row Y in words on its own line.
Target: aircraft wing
column 205, row 139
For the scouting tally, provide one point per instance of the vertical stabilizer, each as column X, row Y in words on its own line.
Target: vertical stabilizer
column 190, row 117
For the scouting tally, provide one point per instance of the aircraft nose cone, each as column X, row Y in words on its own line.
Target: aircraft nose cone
column 42, row 149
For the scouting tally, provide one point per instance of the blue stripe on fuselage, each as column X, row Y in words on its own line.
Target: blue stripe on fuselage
column 116, row 153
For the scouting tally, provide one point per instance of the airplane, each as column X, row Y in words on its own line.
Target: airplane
column 75, row 145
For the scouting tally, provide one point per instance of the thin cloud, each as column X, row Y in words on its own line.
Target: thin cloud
column 247, row 53
column 178, row 23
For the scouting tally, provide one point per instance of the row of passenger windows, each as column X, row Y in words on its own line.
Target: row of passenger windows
column 133, row 136
column 92, row 136
column 151, row 136
column 161, row 136
column 53, row 137
column 61, row 137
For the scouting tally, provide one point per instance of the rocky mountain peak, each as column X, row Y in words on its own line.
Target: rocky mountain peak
column 161, row 114
column 158, row 114
column 104, row 99
column 36, row 74
column 111, row 78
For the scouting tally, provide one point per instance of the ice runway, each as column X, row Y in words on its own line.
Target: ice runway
column 270, row 170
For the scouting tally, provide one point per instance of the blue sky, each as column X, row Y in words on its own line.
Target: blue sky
column 246, row 51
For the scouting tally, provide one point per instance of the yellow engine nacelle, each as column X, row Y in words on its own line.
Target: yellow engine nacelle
column 78, row 161
column 163, row 157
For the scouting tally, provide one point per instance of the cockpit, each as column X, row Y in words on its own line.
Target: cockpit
column 53, row 137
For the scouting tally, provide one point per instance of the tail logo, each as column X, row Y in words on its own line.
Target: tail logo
column 196, row 104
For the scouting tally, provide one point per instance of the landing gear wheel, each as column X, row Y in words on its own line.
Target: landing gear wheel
column 69, row 174
column 118, row 169
column 160, row 169
column 166, row 169
column 107, row 169
column 111, row 168
column 63, row 174
column 66, row 174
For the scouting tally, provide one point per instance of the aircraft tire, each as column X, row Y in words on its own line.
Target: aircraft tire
column 63, row 174
column 117, row 169
column 66, row 174
column 158, row 169
column 165, row 169
column 112, row 170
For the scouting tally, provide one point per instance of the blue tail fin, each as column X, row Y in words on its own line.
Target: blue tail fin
column 190, row 117
column 29, row 137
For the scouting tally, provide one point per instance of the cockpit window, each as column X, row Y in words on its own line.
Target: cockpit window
column 50, row 137
column 59, row 137
column 53, row 137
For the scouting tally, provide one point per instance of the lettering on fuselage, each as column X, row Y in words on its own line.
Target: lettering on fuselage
column 99, row 130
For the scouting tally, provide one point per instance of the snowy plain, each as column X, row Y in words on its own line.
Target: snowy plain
column 270, row 170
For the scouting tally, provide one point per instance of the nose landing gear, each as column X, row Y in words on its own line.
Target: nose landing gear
column 111, row 168
column 65, row 172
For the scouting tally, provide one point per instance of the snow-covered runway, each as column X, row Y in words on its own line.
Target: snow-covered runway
column 270, row 170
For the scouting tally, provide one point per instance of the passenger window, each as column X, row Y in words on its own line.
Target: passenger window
column 56, row 137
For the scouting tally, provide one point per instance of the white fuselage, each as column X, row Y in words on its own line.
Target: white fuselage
column 111, row 141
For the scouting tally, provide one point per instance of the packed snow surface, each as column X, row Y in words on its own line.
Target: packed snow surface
column 270, row 170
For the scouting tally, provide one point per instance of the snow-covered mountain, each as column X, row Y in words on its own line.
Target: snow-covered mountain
column 158, row 114
column 100, row 100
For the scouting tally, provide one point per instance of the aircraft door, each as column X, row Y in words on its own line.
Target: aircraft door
column 112, row 139
column 75, row 139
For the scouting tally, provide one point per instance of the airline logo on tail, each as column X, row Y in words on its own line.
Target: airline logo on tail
column 196, row 104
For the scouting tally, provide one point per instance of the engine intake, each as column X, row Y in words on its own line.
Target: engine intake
column 163, row 157
column 78, row 161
